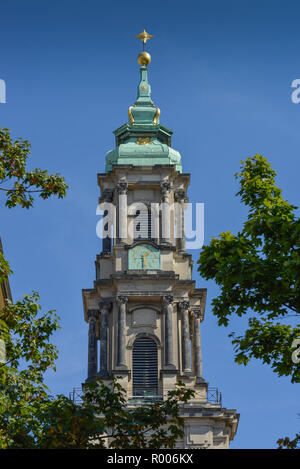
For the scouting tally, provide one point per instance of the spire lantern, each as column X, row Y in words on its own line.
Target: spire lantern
column 144, row 112
column 143, row 140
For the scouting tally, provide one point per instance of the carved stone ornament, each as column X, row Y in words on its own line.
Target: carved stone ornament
column 165, row 186
column 180, row 195
column 184, row 305
column 122, row 186
column 196, row 312
column 92, row 314
column 121, row 300
column 143, row 141
column 168, row 299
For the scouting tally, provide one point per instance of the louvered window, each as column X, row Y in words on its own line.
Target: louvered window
column 145, row 376
column 142, row 224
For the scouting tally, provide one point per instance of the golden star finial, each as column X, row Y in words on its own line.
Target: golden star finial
column 144, row 36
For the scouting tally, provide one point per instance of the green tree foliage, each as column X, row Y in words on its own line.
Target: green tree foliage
column 25, row 352
column 28, row 355
column 258, row 272
column 24, row 183
column 104, row 420
column 4, row 268
column 287, row 443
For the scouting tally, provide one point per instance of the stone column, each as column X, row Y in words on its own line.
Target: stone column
column 121, row 352
column 197, row 345
column 122, row 190
column 107, row 196
column 169, row 354
column 155, row 221
column 165, row 212
column 185, row 336
column 180, row 230
column 92, row 315
column 105, row 307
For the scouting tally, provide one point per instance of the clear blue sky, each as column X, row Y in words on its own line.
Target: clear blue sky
column 221, row 74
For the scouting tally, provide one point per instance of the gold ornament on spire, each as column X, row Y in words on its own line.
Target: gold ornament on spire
column 144, row 36
column 144, row 58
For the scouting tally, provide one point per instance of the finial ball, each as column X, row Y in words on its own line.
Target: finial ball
column 144, row 58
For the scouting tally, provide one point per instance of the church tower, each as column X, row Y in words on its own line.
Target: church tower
column 144, row 308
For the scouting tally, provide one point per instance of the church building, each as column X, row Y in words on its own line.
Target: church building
column 144, row 308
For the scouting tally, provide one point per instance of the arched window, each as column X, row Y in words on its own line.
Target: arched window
column 145, row 374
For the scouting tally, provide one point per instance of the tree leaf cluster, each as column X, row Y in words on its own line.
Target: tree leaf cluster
column 23, row 184
column 258, row 271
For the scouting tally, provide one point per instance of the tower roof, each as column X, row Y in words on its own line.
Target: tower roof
column 143, row 140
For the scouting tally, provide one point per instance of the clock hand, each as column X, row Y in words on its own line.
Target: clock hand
column 144, row 255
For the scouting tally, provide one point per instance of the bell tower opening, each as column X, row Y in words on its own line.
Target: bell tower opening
column 142, row 224
column 144, row 367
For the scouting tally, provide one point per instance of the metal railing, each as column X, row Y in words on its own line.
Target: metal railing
column 213, row 396
column 76, row 395
column 143, row 397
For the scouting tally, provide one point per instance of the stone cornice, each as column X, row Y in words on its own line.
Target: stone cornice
column 162, row 247
column 157, row 169
column 126, row 131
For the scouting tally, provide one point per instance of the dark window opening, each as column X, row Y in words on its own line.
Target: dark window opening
column 145, row 367
column 142, row 224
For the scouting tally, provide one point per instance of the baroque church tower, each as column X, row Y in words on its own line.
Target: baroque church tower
column 144, row 308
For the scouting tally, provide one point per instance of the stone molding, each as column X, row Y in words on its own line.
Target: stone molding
column 143, row 334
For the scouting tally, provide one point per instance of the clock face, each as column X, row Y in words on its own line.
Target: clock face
column 144, row 257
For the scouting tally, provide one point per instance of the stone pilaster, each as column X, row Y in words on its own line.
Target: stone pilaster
column 121, row 351
column 105, row 308
column 122, row 207
column 180, row 199
column 107, row 197
column 169, row 352
column 155, row 221
column 197, row 346
column 185, row 336
column 92, row 315
column 165, row 212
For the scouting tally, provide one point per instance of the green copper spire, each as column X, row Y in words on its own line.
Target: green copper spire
column 143, row 112
column 143, row 141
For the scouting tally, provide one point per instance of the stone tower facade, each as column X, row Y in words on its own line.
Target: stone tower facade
column 144, row 308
